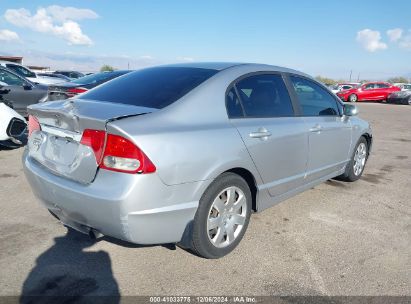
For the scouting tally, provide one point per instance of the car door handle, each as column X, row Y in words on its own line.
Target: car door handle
column 260, row 133
column 316, row 129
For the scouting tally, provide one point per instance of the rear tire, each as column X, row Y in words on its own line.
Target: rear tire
column 353, row 98
column 222, row 216
column 356, row 165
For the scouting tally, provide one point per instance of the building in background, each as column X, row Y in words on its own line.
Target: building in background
column 15, row 59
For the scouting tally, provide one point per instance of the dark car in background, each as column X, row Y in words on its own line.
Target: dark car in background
column 21, row 91
column 400, row 97
column 56, row 76
column 70, row 89
column 70, row 74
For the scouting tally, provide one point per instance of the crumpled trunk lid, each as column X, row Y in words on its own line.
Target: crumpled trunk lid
column 57, row 146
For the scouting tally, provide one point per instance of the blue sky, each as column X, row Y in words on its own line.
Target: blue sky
column 327, row 38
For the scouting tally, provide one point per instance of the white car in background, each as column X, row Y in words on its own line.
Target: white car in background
column 343, row 86
column 13, row 126
column 30, row 75
column 403, row 86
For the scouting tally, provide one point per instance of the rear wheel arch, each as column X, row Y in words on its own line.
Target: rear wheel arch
column 250, row 179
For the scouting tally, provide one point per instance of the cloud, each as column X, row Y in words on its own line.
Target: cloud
column 394, row 34
column 53, row 20
column 6, row 35
column 370, row 40
column 187, row 59
column 405, row 41
column 62, row 14
column 401, row 37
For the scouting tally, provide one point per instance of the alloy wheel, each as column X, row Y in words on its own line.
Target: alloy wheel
column 353, row 98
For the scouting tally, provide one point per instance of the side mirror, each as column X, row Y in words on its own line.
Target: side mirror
column 350, row 110
column 27, row 86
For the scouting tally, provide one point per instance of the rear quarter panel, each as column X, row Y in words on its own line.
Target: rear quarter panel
column 186, row 153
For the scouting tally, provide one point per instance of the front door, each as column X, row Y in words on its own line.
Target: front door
column 329, row 133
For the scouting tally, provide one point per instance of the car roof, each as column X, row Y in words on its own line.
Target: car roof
column 219, row 66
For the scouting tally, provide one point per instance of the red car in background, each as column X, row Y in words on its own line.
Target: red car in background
column 368, row 91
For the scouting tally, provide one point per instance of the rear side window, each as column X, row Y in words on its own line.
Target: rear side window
column 152, row 87
column 234, row 107
column 262, row 96
column 314, row 100
column 382, row 85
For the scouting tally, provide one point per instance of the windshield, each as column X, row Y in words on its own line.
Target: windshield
column 21, row 70
column 98, row 77
column 152, row 88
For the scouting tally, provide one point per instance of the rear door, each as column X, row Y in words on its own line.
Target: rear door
column 382, row 91
column 261, row 109
column 329, row 133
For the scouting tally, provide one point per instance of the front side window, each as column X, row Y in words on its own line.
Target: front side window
column 21, row 70
column 314, row 100
column 369, row 86
column 10, row 79
column 264, row 96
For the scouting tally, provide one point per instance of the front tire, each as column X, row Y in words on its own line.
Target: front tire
column 356, row 166
column 353, row 98
column 222, row 216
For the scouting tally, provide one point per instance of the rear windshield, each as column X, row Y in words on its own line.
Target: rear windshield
column 152, row 87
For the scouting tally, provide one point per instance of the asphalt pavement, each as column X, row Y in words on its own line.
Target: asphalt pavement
column 335, row 239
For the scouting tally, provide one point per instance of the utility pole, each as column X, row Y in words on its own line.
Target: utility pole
column 128, row 65
column 358, row 79
column 350, row 75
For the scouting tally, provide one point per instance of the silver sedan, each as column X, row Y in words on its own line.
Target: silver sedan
column 185, row 153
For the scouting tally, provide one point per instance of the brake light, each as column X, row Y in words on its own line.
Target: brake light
column 34, row 124
column 117, row 153
column 122, row 155
column 94, row 139
column 75, row 91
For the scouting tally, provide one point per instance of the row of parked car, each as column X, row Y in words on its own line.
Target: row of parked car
column 399, row 93
column 21, row 87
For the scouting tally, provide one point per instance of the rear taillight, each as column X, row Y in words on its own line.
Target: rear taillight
column 74, row 91
column 95, row 139
column 117, row 153
column 33, row 124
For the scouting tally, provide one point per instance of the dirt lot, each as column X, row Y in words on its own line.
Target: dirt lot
column 336, row 239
